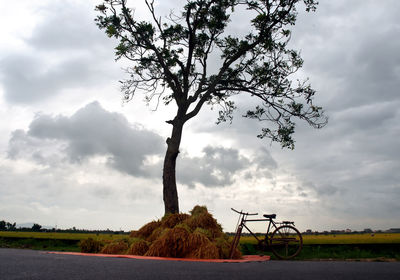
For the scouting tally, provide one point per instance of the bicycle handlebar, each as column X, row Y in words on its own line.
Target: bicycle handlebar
column 243, row 213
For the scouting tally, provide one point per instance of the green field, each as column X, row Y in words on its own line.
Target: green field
column 59, row 235
column 378, row 246
column 341, row 239
column 321, row 239
column 50, row 241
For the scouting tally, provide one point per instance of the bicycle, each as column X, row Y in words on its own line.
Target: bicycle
column 285, row 241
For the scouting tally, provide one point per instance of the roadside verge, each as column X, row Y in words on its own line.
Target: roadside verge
column 244, row 259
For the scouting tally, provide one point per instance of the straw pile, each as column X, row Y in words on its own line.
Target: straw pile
column 197, row 235
column 90, row 245
column 145, row 230
column 115, row 247
column 138, row 248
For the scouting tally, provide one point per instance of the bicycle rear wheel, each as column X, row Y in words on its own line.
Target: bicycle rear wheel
column 286, row 242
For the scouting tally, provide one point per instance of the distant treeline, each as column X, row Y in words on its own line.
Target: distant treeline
column 6, row 226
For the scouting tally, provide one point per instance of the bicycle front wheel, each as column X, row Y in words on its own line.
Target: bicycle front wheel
column 286, row 242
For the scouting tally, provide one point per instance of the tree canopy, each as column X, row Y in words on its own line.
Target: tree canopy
column 171, row 63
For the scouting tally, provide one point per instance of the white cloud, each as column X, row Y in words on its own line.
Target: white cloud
column 91, row 131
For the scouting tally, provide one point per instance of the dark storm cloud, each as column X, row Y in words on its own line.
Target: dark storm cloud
column 91, row 131
column 65, row 51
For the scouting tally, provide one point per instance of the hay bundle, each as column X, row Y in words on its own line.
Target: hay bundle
column 146, row 230
column 90, row 245
column 224, row 247
column 115, row 247
column 198, row 210
column 156, row 234
column 196, row 240
column 182, row 236
column 206, row 251
column 171, row 220
column 173, row 243
column 158, row 249
column 134, row 234
column 205, row 221
column 138, row 248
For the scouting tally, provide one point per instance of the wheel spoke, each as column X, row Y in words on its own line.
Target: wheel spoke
column 286, row 242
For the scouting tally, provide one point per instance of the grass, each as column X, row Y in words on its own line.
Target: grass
column 40, row 244
column 50, row 241
column 336, row 252
column 342, row 246
column 338, row 239
column 376, row 246
column 364, row 238
column 60, row 235
column 351, row 251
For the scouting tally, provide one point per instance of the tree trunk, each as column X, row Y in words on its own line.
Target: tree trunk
column 170, row 194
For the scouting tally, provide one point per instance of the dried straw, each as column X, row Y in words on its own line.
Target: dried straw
column 198, row 210
column 207, row 222
column 173, row 243
column 146, row 230
column 171, row 220
column 138, row 248
column 181, row 235
column 116, row 247
column 206, row 251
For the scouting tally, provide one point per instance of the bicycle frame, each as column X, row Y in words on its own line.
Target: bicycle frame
column 284, row 240
column 272, row 227
column 269, row 228
column 242, row 224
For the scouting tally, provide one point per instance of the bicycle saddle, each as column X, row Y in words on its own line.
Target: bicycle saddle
column 270, row 216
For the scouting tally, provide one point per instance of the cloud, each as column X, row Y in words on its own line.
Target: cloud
column 66, row 25
column 93, row 133
column 351, row 57
column 87, row 196
column 28, row 79
column 216, row 168
column 264, row 160
column 65, row 51
column 90, row 132
column 356, row 62
column 345, row 175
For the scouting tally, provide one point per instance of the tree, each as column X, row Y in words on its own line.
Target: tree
column 36, row 227
column 7, row 225
column 11, row 226
column 3, row 225
column 170, row 63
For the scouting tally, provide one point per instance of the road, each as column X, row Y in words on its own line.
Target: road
column 28, row 264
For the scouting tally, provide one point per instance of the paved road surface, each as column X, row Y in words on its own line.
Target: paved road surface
column 27, row 264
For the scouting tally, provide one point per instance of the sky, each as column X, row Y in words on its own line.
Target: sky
column 73, row 154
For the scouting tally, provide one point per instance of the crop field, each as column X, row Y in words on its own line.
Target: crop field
column 377, row 246
column 321, row 239
column 365, row 238
column 59, row 235
column 339, row 239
